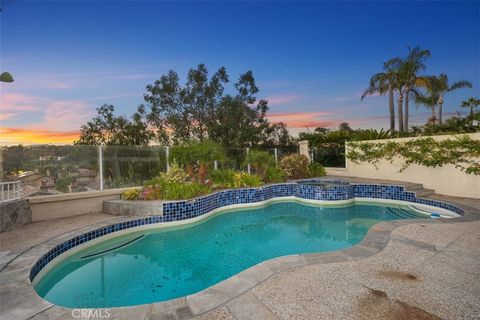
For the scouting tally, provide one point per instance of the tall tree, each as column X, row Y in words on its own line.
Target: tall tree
column 430, row 98
column 471, row 103
column 106, row 128
column 444, row 87
column 198, row 110
column 399, row 84
column 408, row 73
column 381, row 83
column 185, row 113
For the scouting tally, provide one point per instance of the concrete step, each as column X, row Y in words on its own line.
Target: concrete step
column 419, row 190
column 413, row 186
column 424, row 192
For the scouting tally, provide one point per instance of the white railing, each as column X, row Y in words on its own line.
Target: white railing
column 9, row 191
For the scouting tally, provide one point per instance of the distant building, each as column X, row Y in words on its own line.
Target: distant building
column 83, row 177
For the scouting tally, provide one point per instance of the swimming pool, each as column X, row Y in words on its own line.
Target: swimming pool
column 161, row 264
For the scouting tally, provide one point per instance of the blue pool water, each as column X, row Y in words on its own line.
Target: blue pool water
column 162, row 264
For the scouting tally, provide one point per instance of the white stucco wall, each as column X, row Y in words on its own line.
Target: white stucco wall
column 444, row 180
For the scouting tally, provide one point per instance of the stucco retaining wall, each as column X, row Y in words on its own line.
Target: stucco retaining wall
column 71, row 204
column 446, row 180
column 133, row 208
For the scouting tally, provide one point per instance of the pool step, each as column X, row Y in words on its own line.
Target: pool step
column 419, row 190
column 402, row 214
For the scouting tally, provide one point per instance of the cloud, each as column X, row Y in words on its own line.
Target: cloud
column 282, row 99
column 65, row 114
column 12, row 136
column 55, row 114
column 53, row 85
column 6, row 116
column 115, row 96
column 13, row 102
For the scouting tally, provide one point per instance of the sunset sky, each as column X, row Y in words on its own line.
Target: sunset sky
column 311, row 60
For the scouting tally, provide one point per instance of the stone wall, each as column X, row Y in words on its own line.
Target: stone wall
column 14, row 214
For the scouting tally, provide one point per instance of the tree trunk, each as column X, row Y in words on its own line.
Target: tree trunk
column 400, row 112
column 391, row 106
column 405, row 115
column 440, row 106
column 434, row 116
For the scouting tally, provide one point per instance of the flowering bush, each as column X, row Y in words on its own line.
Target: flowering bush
column 243, row 179
column 152, row 192
column 174, row 175
column 132, row 194
column 295, row 166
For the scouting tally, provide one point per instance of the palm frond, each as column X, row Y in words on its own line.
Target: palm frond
column 460, row 84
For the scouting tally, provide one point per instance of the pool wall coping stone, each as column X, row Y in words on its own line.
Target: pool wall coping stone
column 19, row 300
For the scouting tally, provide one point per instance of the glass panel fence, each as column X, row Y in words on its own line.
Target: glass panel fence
column 127, row 166
column 48, row 170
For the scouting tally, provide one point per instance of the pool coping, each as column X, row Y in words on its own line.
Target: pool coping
column 20, row 300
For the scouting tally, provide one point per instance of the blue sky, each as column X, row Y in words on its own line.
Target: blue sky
column 310, row 59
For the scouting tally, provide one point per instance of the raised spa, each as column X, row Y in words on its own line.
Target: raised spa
column 164, row 263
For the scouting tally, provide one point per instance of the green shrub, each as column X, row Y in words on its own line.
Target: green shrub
column 179, row 191
column 243, row 179
column 132, row 194
column 222, row 178
column 260, row 161
column 198, row 157
column 316, row 170
column 295, row 166
column 275, row 175
column 63, row 184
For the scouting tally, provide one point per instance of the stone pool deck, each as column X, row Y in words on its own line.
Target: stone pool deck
column 426, row 269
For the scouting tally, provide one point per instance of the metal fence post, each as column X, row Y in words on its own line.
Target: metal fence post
column 248, row 163
column 100, row 165
column 167, row 153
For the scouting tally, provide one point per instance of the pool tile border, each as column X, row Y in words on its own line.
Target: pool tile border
column 28, row 305
column 189, row 209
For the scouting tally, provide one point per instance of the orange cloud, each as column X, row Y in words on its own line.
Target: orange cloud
column 302, row 119
column 12, row 136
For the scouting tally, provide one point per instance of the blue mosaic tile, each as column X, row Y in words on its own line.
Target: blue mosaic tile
column 187, row 209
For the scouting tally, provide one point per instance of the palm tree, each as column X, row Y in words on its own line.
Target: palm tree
column 398, row 84
column 471, row 103
column 408, row 70
column 381, row 83
column 431, row 98
column 444, row 87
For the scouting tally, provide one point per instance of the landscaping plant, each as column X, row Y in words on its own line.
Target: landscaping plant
column 260, row 161
column 295, row 166
column 198, row 157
